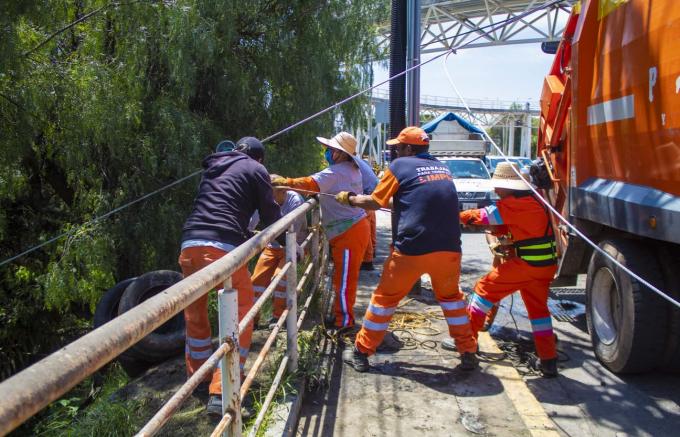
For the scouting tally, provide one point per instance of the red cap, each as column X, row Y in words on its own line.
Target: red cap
column 411, row 135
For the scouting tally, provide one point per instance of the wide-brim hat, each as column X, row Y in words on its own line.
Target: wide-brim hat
column 507, row 175
column 344, row 142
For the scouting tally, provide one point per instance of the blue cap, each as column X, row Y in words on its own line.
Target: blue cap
column 225, row 146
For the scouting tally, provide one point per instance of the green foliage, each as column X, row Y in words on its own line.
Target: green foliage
column 129, row 100
column 79, row 415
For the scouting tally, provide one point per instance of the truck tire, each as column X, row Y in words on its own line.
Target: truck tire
column 669, row 258
column 168, row 339
column 107, row 309
column 624, row 317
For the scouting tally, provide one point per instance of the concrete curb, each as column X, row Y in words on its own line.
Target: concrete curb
column 290, row 410
column 529, row 409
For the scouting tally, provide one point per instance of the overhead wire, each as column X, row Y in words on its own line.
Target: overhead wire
column 281, row 132
column 563, row 219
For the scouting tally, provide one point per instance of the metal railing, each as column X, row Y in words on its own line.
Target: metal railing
column 27, row 392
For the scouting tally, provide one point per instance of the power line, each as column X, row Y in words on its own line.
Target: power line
column 97, row 219
column 271, row 137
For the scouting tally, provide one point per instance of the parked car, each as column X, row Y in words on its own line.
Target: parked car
column 492, row 161
column 472, row 181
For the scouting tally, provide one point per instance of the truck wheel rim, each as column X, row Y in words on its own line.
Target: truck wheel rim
column 606, row 306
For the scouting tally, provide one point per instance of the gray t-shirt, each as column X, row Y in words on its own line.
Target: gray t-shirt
column 292, row 201
column 336, row 217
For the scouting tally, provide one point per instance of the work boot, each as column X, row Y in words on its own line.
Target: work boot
column 548, row 368
column 449, row 345
column 356, row 359
column 490, row 317
column 367, row 265
column 468, row 361
column 214, row 407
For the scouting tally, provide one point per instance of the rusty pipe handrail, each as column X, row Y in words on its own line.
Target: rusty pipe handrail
column 163, row 415
column 27, row 392
column 250, row 315
column 270, row 396
column 255, row 368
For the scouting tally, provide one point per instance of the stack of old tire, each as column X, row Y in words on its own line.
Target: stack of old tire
column 165, row 342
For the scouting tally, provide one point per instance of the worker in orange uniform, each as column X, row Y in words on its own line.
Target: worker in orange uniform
column 530, row 270
column 425, row 203
column 234, row 185
column 346, row 227
column 273, row 257
column 368, row 181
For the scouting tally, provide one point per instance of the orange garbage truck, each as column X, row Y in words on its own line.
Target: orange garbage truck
column 609, row 139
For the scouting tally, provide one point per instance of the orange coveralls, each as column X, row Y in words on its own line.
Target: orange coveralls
column 370, row 249
column 400, row 270
column 347, row 251
column 526, row 219
column 270, row 262
column 198, row 343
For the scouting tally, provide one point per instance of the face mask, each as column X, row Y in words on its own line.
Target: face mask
column 329, row 157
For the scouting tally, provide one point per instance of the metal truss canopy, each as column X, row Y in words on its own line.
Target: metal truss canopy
column 449, row 24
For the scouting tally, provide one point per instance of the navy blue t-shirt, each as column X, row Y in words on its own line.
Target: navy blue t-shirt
column 425, row 206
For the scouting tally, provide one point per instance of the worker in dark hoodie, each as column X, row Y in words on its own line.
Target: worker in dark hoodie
column 234, row 185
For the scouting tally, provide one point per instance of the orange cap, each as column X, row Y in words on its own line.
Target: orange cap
column 411, row 135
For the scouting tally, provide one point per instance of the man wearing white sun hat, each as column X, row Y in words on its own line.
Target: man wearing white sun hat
column 531, row 266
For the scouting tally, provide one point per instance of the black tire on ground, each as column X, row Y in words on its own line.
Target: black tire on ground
column 669, row 258
column 107, row 309
column 627, row 321
column 168, row 339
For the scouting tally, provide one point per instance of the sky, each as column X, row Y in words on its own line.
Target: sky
column 511, row 72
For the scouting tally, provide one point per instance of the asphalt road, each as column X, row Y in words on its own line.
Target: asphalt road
column 586, row 399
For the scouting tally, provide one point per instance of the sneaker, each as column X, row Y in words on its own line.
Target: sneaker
column 214, row 407
column 367, row 265
column 272, row 323
column 548, row 368
column 356, row 359
column 449, row 345
column 468, row 361
column 391, row 343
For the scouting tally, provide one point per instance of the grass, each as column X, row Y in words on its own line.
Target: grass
column 309, row 363
column 89, row 410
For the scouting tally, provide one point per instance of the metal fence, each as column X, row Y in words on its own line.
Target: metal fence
column 27, row 392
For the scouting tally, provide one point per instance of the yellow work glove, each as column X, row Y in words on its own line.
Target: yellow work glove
column 343, row 197
column 279, row 181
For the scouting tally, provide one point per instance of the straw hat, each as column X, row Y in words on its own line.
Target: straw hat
column 506, row 176
column 343, row 142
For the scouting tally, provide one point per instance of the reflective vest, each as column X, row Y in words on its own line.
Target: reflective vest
column 538, row 252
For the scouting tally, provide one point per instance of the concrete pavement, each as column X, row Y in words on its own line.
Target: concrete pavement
column 419, row 391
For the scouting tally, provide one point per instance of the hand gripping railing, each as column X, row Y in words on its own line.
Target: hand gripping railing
column 27, row 392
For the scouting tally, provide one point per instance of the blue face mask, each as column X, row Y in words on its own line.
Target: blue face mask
column 329, row 157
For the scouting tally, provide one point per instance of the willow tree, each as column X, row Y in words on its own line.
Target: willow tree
column 104, row 102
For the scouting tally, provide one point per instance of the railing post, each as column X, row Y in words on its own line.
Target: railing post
column 314, row 245
column 227, row 299
column 291, row 299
